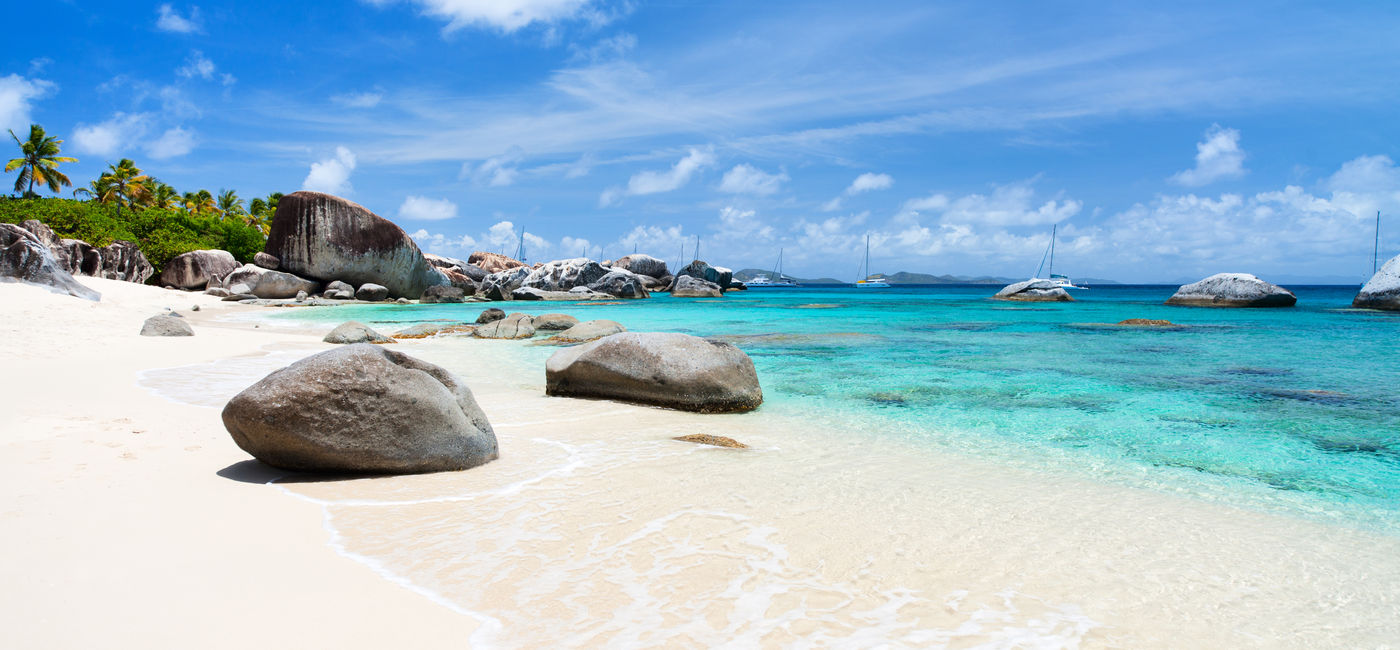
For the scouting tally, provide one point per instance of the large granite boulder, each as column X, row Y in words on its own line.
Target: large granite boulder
column 689, row 286
column 265, row 283
column 514, row 326
column 493, row 262
column 42, row 231
column 1233, row 290
column 552, row 322
column 166, row 325
column 122, row 260
column 672, row 370
column 1382, row 291
column 192, row 270
column 324, row 237
column 351, row 332
column 25, row 258
column 79, row 257
column 442, row 293
column 1034, row 291
column 361, row 409
column 642, row 264
column 714, row 274
column 562, row 275
column 371, row 292
column 588, row 331
column 498, row 286
column 621, row 284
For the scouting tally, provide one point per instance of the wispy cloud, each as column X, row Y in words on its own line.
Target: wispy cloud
column 656, row 182
column 197, row 65
column 505, row 15
column 174, row 142
column 1218, row 157
column 747, row 179
column 867, row 182
column 421, row 208
column 331, row 174
column 358, row 100
column 17, row 95
column 170, row 20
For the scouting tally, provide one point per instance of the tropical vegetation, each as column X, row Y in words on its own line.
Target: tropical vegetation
column 125, row 203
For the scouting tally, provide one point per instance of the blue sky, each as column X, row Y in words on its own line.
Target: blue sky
column 1167, row 140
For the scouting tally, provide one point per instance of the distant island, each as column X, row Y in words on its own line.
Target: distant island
column 904, row 277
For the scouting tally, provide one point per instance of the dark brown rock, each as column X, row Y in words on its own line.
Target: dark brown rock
column 24, row 258
column 193, row 270
column 493, row 262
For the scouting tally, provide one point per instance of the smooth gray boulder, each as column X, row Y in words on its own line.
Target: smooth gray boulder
column 663, row 369
column 361, row 409
column 489, row 316
column 1382, row 291
column 1232, row 290
column 265, row 283
column 240, row 288
column 351, row 332
column 514, row 326
column 192, row 270
column 24, row 258
column 1034, row 291
column 588, row 331
column 552, row 322
column 443, row 293
column 323, row 237
column 688, row 286
column 642, row 264
column 370, row 291
column 301, row 296
column 218, row 292
column 166, row 325
column 621, row 284
column 266, row 261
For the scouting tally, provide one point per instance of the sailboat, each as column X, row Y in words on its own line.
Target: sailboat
column 870, row 281
column 778, row 279
column 1061, row 281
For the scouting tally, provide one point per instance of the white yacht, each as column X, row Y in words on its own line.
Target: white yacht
column 1060, row 280
column 765, row 282
column 869, row 281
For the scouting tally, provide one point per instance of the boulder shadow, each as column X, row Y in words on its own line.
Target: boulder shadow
column 259, row 473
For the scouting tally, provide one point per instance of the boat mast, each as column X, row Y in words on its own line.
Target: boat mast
column 867, row 257
column 520, row 249
column 1376, row 252
column 1053, row 229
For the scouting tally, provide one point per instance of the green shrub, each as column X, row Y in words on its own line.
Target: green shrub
column 160, row 233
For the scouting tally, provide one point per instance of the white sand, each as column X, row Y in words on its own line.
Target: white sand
column 118, row 530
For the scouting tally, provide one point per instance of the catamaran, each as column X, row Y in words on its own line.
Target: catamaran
column 870, row 281
column 763, row 281
column 1061, row 281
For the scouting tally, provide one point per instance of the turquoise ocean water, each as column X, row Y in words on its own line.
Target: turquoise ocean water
column 1286, row 410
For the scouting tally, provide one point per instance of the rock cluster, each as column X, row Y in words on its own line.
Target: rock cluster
column 361, row 409
column 1034, row 291
column 1232, row 290
column 120, row 260
column 671, row 370
column 1382, row 291
column 25, row 258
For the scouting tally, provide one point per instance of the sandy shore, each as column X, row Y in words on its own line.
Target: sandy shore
column 128, row 519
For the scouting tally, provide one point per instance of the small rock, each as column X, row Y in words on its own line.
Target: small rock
column 490, row 315
column 554, row 322
column 301, row 296
column 588, row 331
column 218, row 292
column 351, row 332
column 514, row 326
column 403, row 301
column 442, row 293
column 1147, row 322
column 707, row 439
column 166, row 325
column 194, row 308
column 371, row 292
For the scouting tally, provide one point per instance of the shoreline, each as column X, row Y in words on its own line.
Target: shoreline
column 1044, row 538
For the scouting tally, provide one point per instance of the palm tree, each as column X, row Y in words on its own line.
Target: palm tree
column 125, row 184
column 162, row 196
column 200, row 202
column 261, row 211
column 230, row 204
column 40, row 162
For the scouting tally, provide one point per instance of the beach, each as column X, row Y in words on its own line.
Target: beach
column 594, row 527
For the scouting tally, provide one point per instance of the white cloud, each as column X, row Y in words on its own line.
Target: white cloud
column 743, row 223
column 1007, row 205
column 358, row 100
column 16, row 95
column 746, row 179
column 197, row 65
column 426, row 209
column 174, row 142
column 654, row 182
column 331, row 175
column 169, row 20
column 113, row 136
column 1217, row 157
column 441, row 244
column 498, row 171
column 869, row 182
column 605, row 49
column 505, row 15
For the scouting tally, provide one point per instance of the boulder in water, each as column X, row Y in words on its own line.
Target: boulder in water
column 1034, row 291
column 1232, row 290
column 361, row 408
column 562, row 275
column 351, row 332
column 490, row 316
column 1382, row 291
column 671, row 370
column 500, row 285
column 552, row 322
column 689, row 286
column 621, row 284
column 588, row 331
column 514, row 326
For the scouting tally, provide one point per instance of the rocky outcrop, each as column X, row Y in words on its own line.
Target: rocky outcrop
column 426, row 330
column 266, row 261
column 361, row 408
column 166, row 325
column 552, row 322
column 371, row 292
column 1233, row 290
column 490, row 316
column 265, row 283
column 351, row 332
column 492, row 262
column 498, row 286
column 621, row 284
column 588, row 331
column 25, row 258
column 119, row 260
column 1382, row 291
column 713, row 274
column 1034, row 291
column 442, row 293
column 642, row 265
column 688, row 286
column 324, row 237
column 514, row 326
column 122, row 260
column 672, row 370
column 463, row 267
column 562, row 275
column 193, row 270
